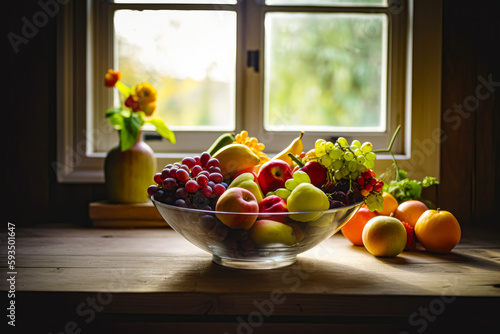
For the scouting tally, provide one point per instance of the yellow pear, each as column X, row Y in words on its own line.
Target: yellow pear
column 234, row 158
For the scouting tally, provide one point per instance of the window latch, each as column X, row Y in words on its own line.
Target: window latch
column 253, row 60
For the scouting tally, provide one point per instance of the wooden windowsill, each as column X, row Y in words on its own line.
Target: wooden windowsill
column 138, row 215
column 151, row 280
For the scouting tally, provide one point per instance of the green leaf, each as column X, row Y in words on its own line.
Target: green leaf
column 429, row 181
column 162, row 129
column 129, row 132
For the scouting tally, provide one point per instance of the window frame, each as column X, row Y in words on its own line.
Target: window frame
column 418, row 98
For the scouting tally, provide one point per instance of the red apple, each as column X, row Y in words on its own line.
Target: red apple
column 237, row 200
column 273, row 203
column 273, row 175
column 316, row 171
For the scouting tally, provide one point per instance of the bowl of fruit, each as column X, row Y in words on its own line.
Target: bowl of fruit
column 254, row 212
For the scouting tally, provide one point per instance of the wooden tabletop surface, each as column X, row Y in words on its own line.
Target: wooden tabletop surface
column 143, row 274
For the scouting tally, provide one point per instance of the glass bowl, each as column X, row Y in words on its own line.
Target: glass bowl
column 239, row 248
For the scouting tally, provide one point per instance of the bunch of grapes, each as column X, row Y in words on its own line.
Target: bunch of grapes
column 371, row 190
column 253, row 144
column 195, row 182
column 345, row 161
column 353, row 163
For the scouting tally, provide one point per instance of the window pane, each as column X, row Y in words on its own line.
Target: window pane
column 188, row 56
column 325, row 71
column 345, row 3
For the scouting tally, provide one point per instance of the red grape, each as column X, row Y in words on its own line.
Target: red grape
column 197, row 159
column 181, row 193
column 191, row 186
column 188, row 161
column 213, row 162
column 216, row 177
column 214, row 169
column 202, row 180
column 152, row 189
column 361, row 180
column 206, row 191
column 169, row 183
column 181, row 203
column 219, row 189
column 196, row 170
column 182, row 175
column 158, row 179
column 165, row 173
column 204, row 157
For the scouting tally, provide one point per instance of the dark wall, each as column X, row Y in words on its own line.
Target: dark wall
column 469, row 161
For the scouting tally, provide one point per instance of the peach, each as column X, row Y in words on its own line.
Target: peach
column 410, row 211
column 240, row 201
column 384, row 236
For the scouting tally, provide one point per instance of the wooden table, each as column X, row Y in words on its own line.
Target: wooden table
column 151, row 280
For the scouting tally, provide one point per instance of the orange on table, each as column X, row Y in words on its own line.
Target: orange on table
column 438, row 231
column 390, row 204
column 353, row 229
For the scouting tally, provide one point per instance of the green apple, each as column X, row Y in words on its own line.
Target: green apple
column 266, row 232
column 247, row 181
column 306, row 197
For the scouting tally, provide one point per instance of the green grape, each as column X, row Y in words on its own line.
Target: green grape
column 291, row 184
column 354, row 148
column 369, row 164
column 366, row 147
column 283, row 193
column 301, row 177
column 361, row 160
column 352, row 165
column 337, row 175
column 356, row 143
column 370, row 199
column 354, row 175
column 337, row 164
column 326, row 160
column 380, row 199
column 348, row 156
column 336, row 153
column 320, row 151
column 319, row 143
column 342, row 141
column 358, row 152
column 370, row 156
column 362, row 168
column 344, row 171
column 329, row 146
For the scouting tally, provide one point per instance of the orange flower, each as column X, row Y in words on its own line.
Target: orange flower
column 111, row 78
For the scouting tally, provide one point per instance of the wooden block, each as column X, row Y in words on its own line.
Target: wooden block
column 105, row 214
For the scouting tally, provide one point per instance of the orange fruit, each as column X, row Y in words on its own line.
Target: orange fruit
column 353, row 229
column 438, row 231
column 390, row 204
column 410, row 211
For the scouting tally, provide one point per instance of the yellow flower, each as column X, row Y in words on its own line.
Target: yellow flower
column 145, row 95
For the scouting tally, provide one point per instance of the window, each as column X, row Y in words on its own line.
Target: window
column 273, row 67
